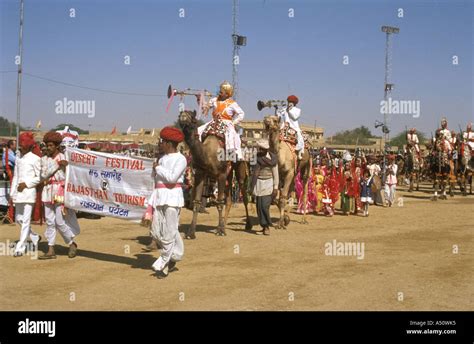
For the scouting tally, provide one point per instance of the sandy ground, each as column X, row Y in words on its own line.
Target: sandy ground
column 408, row 249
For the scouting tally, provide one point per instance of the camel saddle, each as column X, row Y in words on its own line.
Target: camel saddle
column 288, row 135
column 216, row 128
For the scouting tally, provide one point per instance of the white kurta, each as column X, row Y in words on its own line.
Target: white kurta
column 446, row 134
column 170, row 170
column 232, row 138
column 27, row 170
column 53, row 206
column 49, row 170
column 167, row 199
column 413, row 138
column 291, row 117
column 469, row 136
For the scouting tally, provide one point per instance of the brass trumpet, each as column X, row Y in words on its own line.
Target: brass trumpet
column 270, row 103
column 187, row 92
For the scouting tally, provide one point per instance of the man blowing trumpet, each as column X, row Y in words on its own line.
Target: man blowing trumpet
column 290, row 115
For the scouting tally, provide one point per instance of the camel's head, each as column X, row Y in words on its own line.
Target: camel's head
column 187, row 118
column 272, row 123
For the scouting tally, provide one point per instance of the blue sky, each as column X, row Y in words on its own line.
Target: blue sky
column 301, row 55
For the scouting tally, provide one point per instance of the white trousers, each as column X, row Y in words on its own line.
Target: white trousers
column 164, row 229
column 390, row 192
column 232, row 139
column 71, row 221
column 55, row 222
column 23, row 218
column 300, row 142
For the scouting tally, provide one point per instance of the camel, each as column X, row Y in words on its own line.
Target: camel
column 439, row 168
column 207, row 165
column 287, row 170
column 465, row 167
column 413, row 168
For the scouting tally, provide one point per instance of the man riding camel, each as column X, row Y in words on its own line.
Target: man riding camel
column 413, row 141
column 290, row 115
column 444, row 129
column 468, row 136
column 225, row 109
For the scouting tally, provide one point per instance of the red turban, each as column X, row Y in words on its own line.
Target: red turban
column 27, row 139
column 292, row 99
column 172, row 134
column 54, row 137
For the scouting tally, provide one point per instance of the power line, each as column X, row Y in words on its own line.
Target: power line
column 93, row 88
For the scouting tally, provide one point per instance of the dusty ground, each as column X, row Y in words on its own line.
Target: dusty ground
column 408, row 249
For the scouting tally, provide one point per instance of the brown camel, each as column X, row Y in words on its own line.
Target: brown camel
column 287, row 170
column 207, row 165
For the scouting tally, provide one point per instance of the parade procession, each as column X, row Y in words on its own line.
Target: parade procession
column 283, row 169
column 328, row 165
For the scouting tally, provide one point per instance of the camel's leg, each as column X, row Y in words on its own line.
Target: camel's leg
column 435, row 187
column 221, row 184
column 305, row 180
column 470, row 183
column 228, row 196
column 198, row 185
column 444, row 181
column 241, row 175
column 463, row 184
column 283, row 200
column 410, row 189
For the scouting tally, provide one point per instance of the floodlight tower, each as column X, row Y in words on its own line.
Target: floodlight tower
column 388, row 86
column 237, row 42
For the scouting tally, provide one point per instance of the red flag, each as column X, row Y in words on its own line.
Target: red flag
column 114, row 131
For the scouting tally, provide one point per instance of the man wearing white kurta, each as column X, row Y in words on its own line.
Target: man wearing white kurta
column 23, row 190
column 444, row 129
column 290, row 115
column 225, row 109
column 53, row 176
column 391, row 181
column 468, row 136
column 413, row 140
column 167, row 201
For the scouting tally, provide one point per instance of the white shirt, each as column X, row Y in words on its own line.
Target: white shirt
column 374, row 169
column 469, row 136
column 392, row 177
column 27, row 170
column 446, row 134
column 170, row 170
column 291, row 117
column 413, row 138
column 233, row 110
column 48, row 167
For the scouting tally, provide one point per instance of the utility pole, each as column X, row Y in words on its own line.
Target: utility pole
column 20, row 71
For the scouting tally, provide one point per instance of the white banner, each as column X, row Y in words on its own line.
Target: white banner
column 108, row 184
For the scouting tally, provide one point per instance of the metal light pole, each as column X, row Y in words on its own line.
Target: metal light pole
column 389, row 30
column 237, row 41
column 19, row 75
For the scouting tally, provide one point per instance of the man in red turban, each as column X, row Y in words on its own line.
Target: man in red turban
column 167, row 200
column 289, row 117
column 23, row 191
